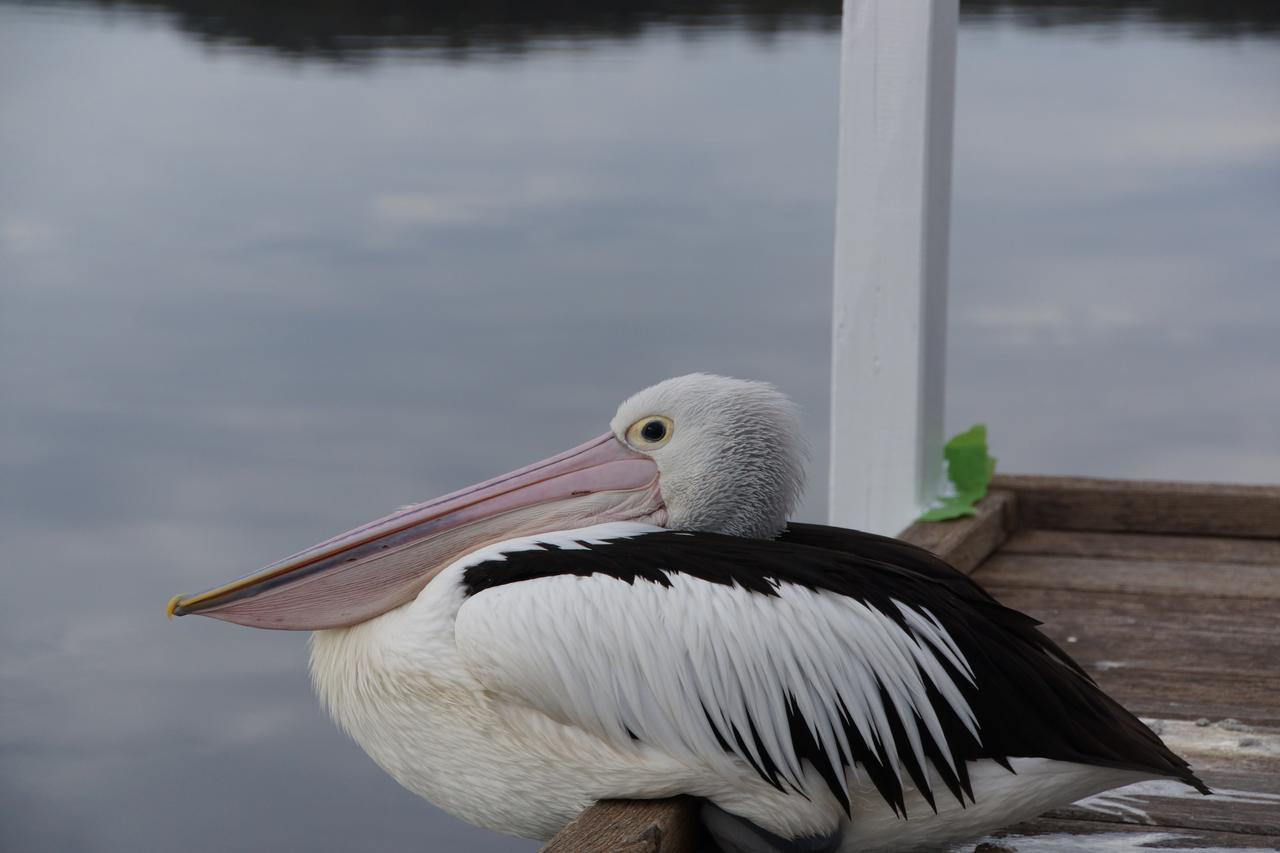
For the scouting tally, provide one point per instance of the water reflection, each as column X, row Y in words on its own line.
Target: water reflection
column 1230, row 19
column 358, row 33
column 247, row 304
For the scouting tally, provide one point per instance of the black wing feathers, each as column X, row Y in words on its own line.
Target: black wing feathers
column 1030, row 699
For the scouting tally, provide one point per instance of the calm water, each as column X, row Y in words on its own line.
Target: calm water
column 263, row 279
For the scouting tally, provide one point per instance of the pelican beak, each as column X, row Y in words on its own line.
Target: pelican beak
column 385, row 563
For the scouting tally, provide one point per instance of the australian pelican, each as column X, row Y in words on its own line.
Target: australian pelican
column 635, row 618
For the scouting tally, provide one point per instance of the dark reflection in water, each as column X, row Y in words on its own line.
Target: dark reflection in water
column 247, row 304
column 1199, row 18
column 361, row 32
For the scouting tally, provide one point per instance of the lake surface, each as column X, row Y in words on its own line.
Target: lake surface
column 268, row 274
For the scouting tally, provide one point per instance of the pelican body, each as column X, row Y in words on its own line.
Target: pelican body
column 635, row 618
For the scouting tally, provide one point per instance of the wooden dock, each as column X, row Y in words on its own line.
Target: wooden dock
column 1169, row 595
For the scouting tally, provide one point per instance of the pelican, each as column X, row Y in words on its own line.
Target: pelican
column 635, row 618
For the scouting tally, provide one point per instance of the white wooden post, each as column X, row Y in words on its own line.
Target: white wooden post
column 897, row 99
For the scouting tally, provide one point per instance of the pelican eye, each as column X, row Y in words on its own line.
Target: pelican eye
column 650, row 432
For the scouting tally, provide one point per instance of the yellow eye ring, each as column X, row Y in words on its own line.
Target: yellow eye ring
column 650, row 432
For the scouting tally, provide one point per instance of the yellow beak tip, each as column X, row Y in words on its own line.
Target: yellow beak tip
column 172, row 608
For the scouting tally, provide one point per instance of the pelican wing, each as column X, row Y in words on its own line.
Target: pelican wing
column 852, row 651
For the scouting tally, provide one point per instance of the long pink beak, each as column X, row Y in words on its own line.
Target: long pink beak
column 380, row 565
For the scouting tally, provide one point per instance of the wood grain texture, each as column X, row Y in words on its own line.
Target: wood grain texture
column 1073, row 836
column 1081, row 503
column 966, row 542
column 1176, row 694
column 1147, row 577
column 1164, row 655
column 1144, row 546
column 1196, row 636
column 634, row 826
column 1242, row 802
column 1229, row 753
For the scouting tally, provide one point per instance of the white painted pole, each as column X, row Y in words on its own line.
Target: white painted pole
column 897, row 99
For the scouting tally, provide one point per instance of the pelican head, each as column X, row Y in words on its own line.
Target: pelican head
column 697, row 452
column 729, row 453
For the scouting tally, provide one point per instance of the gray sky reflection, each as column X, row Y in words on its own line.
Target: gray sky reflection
column 246, row 305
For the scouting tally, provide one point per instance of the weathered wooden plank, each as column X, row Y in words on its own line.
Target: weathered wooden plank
column 1169, row 693
column 1230, row 751
column 1240, row 810
column 1058, row 835
column 634, row 826
column 1231, row 580
column 1166, row 655
column 1230, row 754
column 1080, row 503
column 1105, row 631
column 966, row 542
column 1144, row 546
column 1245, row 780
column 1241, row 802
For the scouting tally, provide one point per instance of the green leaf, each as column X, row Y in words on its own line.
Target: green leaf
column 956, row 506
column 969, row 468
